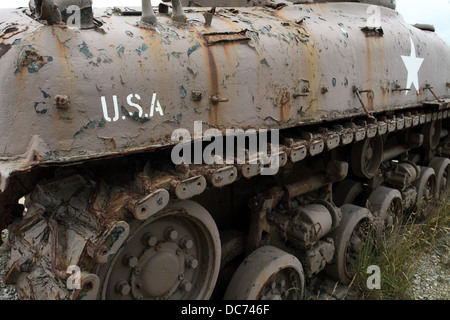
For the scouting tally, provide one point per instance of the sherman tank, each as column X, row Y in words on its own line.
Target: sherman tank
column 128, row 167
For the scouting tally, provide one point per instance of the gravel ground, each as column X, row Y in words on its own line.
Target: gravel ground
column 431, row 280
column 432, row 273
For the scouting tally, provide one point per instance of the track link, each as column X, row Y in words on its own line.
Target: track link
column 74, row 225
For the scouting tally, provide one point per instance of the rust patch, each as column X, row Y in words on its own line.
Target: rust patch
column 31, row 60
column 4, row 48
column 227, row 54
column 34, row 158
column 285, row 105
column 385, row 94
column 9, row 31
column 369, row 59
column 225, row 37
column 375, row 54
column 372, row 32
column 213, row 84
column 61, row 45
column 370, row 100
column 13, row 30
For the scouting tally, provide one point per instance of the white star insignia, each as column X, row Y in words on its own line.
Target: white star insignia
column 412, row 64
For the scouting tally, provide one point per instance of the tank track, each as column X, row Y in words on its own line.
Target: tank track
column 82, row 231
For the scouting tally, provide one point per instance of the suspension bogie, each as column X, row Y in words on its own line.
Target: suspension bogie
column 127, row 230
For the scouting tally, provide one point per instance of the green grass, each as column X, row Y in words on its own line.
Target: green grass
column 397, row 256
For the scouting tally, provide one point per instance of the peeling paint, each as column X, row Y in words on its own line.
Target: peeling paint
column 133, row 116
column 105, row 59
column 251, row 75
column 89, row 125
column 45, row 94
column 304, row 36
column 176, row 55
column 120, row 50
column 264, row 62
column 85, row 50
column 31, row 60
column 193, row 48
column 143, row 48
column 42, row 111
column 102, row 123
column 182, row 91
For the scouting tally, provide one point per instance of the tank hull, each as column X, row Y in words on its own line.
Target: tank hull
column 122, row 88
column 97, row 206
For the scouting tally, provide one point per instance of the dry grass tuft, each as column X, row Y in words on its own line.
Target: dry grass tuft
column 397, row 255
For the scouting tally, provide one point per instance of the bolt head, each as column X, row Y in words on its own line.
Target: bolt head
column 187, row 243
column 150, row 240
column 192, row 263
column 123, row 288
column 186, row 286
column 171, row 234
column 131, row 261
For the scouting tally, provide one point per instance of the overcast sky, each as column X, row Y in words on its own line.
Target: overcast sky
column 434, row 12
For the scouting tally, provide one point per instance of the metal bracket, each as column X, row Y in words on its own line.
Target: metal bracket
column 400, row 89
column 209, row 16
column 427, row 86
column 358, row 94
column 305, row 92
column 149, row 16
column 217, row 100
column 215, row 38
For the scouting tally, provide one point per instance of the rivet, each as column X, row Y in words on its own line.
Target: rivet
column 197, row 95
column 62, row 102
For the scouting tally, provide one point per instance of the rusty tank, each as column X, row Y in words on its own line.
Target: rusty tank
column 90, row 101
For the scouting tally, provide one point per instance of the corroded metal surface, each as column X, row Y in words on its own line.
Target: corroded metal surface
column 129, row 87
column 363, row 113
